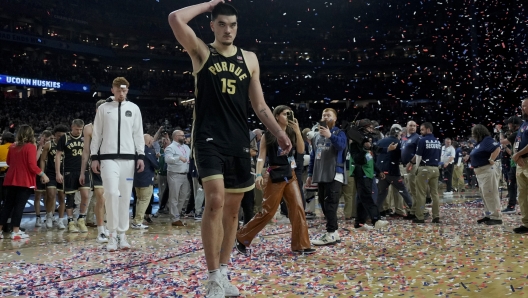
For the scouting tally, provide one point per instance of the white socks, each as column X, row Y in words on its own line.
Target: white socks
column 215, row 275
column 223, row 269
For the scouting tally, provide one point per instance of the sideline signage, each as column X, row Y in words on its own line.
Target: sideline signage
column 38, row 83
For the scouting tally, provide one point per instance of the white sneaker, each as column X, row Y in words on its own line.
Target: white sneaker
column 19, row 235
column 139, row 226
column 60, row 224
column 102, row 238
column 338, row 239
column 112, row 243
column 448, row 193
column 214, row 290
column 123, row 243
column 365, row 227
column 381, row 224
column 326, row 239
column 49, row 221
column 38, row 222
column 230, row 290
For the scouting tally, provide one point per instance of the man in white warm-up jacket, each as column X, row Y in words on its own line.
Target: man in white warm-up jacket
column 117, row 141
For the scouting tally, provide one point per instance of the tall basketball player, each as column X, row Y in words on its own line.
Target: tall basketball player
column 97, row 182
column 226, row 77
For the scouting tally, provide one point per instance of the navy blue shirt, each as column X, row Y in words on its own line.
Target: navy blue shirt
column 146, row 178
column 389, row 162
column 430, row 149
column 409, row 145
column 458, row 154
column 521, row 140
column 482, row 152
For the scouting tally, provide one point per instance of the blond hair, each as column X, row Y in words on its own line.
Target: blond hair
column 120, row 81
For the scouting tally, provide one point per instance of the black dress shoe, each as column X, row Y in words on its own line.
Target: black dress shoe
column 521, row 230
column 493, row 222
column 436, row 220
column 397, row 215
column 148, row 219
column 410, row 217
column 418, row 221
column 483, row 220
column 306, row 251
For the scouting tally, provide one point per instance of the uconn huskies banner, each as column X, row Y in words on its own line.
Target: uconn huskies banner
column 38, row 83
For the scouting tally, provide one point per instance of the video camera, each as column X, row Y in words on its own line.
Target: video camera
column 167, row 128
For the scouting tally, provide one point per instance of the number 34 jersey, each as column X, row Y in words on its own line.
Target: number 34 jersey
column 222, row 102
column 73, row 150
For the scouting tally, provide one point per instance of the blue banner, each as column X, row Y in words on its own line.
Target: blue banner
column 38, row 83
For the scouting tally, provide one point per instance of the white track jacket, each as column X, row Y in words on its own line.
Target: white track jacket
column 118, row 132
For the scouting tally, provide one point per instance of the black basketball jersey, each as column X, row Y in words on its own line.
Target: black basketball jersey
column 222, row 102
column 73, row 149
column 50, row 163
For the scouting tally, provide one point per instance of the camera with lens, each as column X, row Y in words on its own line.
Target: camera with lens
column 167, row 128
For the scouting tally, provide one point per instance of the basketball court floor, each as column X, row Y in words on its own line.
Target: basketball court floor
column 456, row 258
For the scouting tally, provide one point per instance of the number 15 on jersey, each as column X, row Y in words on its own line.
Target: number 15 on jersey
column 228, row 86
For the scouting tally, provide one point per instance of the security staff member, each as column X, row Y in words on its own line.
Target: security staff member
column 428, row 155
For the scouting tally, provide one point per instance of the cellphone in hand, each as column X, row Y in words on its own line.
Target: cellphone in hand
column 289, row 115
column 323, row 123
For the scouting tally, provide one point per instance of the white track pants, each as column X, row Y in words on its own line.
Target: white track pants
column 118, row 178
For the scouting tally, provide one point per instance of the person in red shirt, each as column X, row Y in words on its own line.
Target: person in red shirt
column 20, row 179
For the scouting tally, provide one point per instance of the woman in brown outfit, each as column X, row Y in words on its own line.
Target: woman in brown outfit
column 279, row 181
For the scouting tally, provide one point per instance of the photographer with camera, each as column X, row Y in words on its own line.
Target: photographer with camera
column 389, row 163
column 327, row 169
column 363, row 170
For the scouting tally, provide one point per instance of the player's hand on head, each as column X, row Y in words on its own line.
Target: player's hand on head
column 214, row 3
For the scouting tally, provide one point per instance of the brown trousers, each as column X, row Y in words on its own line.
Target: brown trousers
column 273, row 193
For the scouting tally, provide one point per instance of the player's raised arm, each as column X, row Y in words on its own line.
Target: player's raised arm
column 184, row 34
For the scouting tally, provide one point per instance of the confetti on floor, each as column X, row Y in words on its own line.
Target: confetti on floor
column 457, row 257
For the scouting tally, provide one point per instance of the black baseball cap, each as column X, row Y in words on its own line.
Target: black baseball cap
column 513, row 120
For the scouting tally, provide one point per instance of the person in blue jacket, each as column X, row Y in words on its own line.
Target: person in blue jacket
column 143, row 183
column 327, row 169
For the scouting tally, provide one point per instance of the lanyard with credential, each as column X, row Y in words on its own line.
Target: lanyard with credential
column 183, row 151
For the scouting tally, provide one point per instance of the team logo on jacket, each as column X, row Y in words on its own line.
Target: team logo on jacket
column 128, row 114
